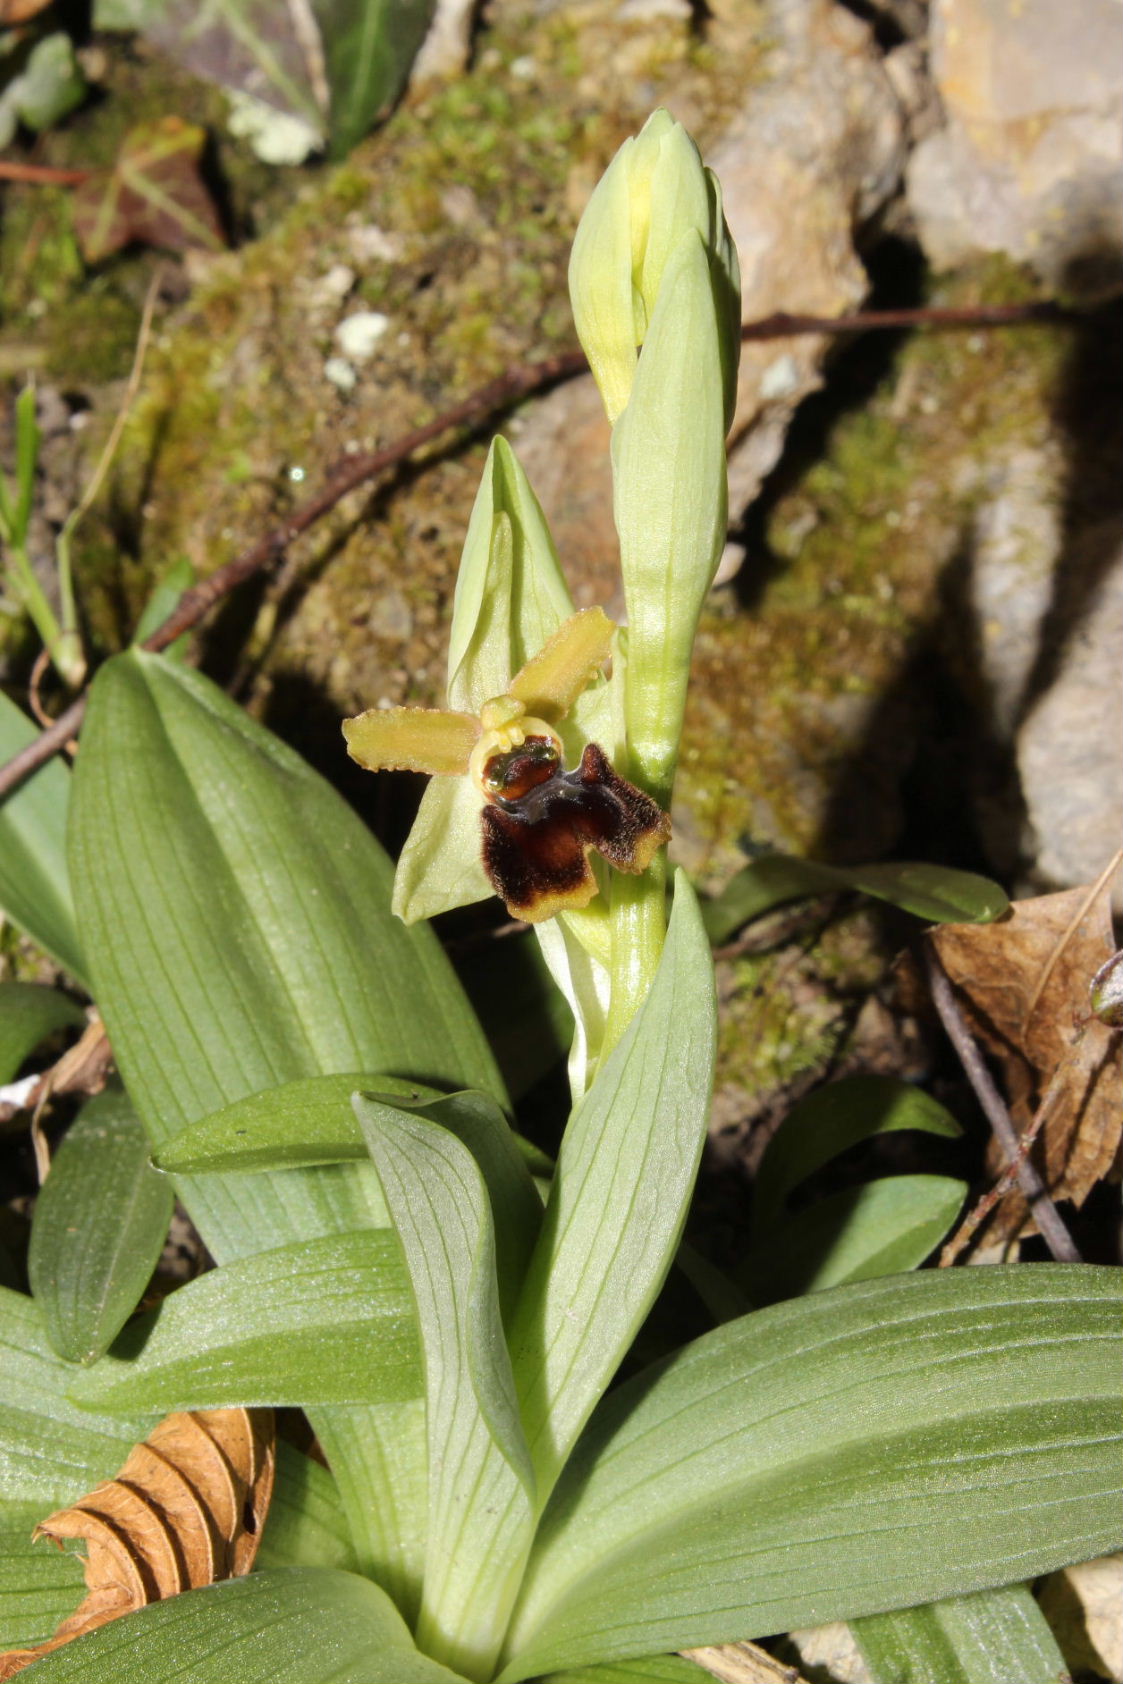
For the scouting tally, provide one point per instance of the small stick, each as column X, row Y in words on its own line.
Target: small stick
column 39, row 667
column 781, row 325
column 507, row 389
column 44, row 174
column 1089, row 900
column 131, row 388
column 1048, row 1219
column 1009, row 1175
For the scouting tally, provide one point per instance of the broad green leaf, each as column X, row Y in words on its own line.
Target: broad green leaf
column 480, row 1480
column 51, row 1452
column 369, row 46
column 34, row 883
column 287, row 1625
column 855, row 1233
column 659, row 1669
column 164, row 600
column 993, row 1637
column 239, row 915
column 936, row 893
column 883, row 1228
column 317, row 1321
column 28, row 1014
column 831, row 1119
column 39, row 1585
column 874, row 1447
column 505, row 1162
column 295, row 1125
column 99, row 1227
column 306, row 1525
column 624, row 1177
column 154, row 193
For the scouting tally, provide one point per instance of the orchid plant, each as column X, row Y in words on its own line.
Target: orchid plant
column 449, row 1308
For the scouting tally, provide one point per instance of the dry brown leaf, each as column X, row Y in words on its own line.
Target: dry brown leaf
column 186, row 1509
column 742, row 1663
column 14, row 12
column 1023, row 985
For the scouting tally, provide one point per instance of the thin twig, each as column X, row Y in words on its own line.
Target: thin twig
column 982, row 1209
column 131, row 389
column 498, row 394
column 41, row 663
column 1045, row 1213
column 1077, row 919
column 508, row 389
column 781, row 325
column 45, row 175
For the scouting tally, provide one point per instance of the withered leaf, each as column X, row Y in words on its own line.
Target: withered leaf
column 154, row 193
column 1023, row 983
column 13, row 12
column 187, row 1508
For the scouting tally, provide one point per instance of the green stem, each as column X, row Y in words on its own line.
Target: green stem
column 639, row 928
column 60, row 642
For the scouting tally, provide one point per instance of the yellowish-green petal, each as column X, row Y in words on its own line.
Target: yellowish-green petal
column 551, row 681
column 412, row 740
column 441, row 865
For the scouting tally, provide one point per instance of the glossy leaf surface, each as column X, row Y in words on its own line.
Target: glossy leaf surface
column 368, row 46
column 881, row 1445
column 936, row 893
column 854, row 1233
column 39, row 1586
column 50, row 1450
column 99, row 1227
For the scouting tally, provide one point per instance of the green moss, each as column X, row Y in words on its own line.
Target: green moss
column 861, row 539
column 788, row 1014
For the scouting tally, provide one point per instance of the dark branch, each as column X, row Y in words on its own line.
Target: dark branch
column 1045, row 1213
column 499, row 394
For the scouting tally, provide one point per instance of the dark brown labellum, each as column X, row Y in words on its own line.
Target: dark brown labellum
column 537, row 834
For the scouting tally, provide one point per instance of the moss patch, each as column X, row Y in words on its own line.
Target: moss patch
column 857, row 545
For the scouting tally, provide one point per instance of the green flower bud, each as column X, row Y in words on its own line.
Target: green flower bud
column 655, row 192
column 668, row 454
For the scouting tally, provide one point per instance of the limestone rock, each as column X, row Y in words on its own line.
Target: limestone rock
column 815, row 153
column 1069, row 756
column 1030, row 159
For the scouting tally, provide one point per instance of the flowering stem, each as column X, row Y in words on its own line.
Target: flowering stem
column 639, row 927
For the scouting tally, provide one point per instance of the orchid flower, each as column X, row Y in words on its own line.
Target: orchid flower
column 538, row 822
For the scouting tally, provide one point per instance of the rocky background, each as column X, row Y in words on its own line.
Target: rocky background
column 914, row 647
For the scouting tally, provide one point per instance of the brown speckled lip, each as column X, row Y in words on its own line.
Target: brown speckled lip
column 536, row 842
